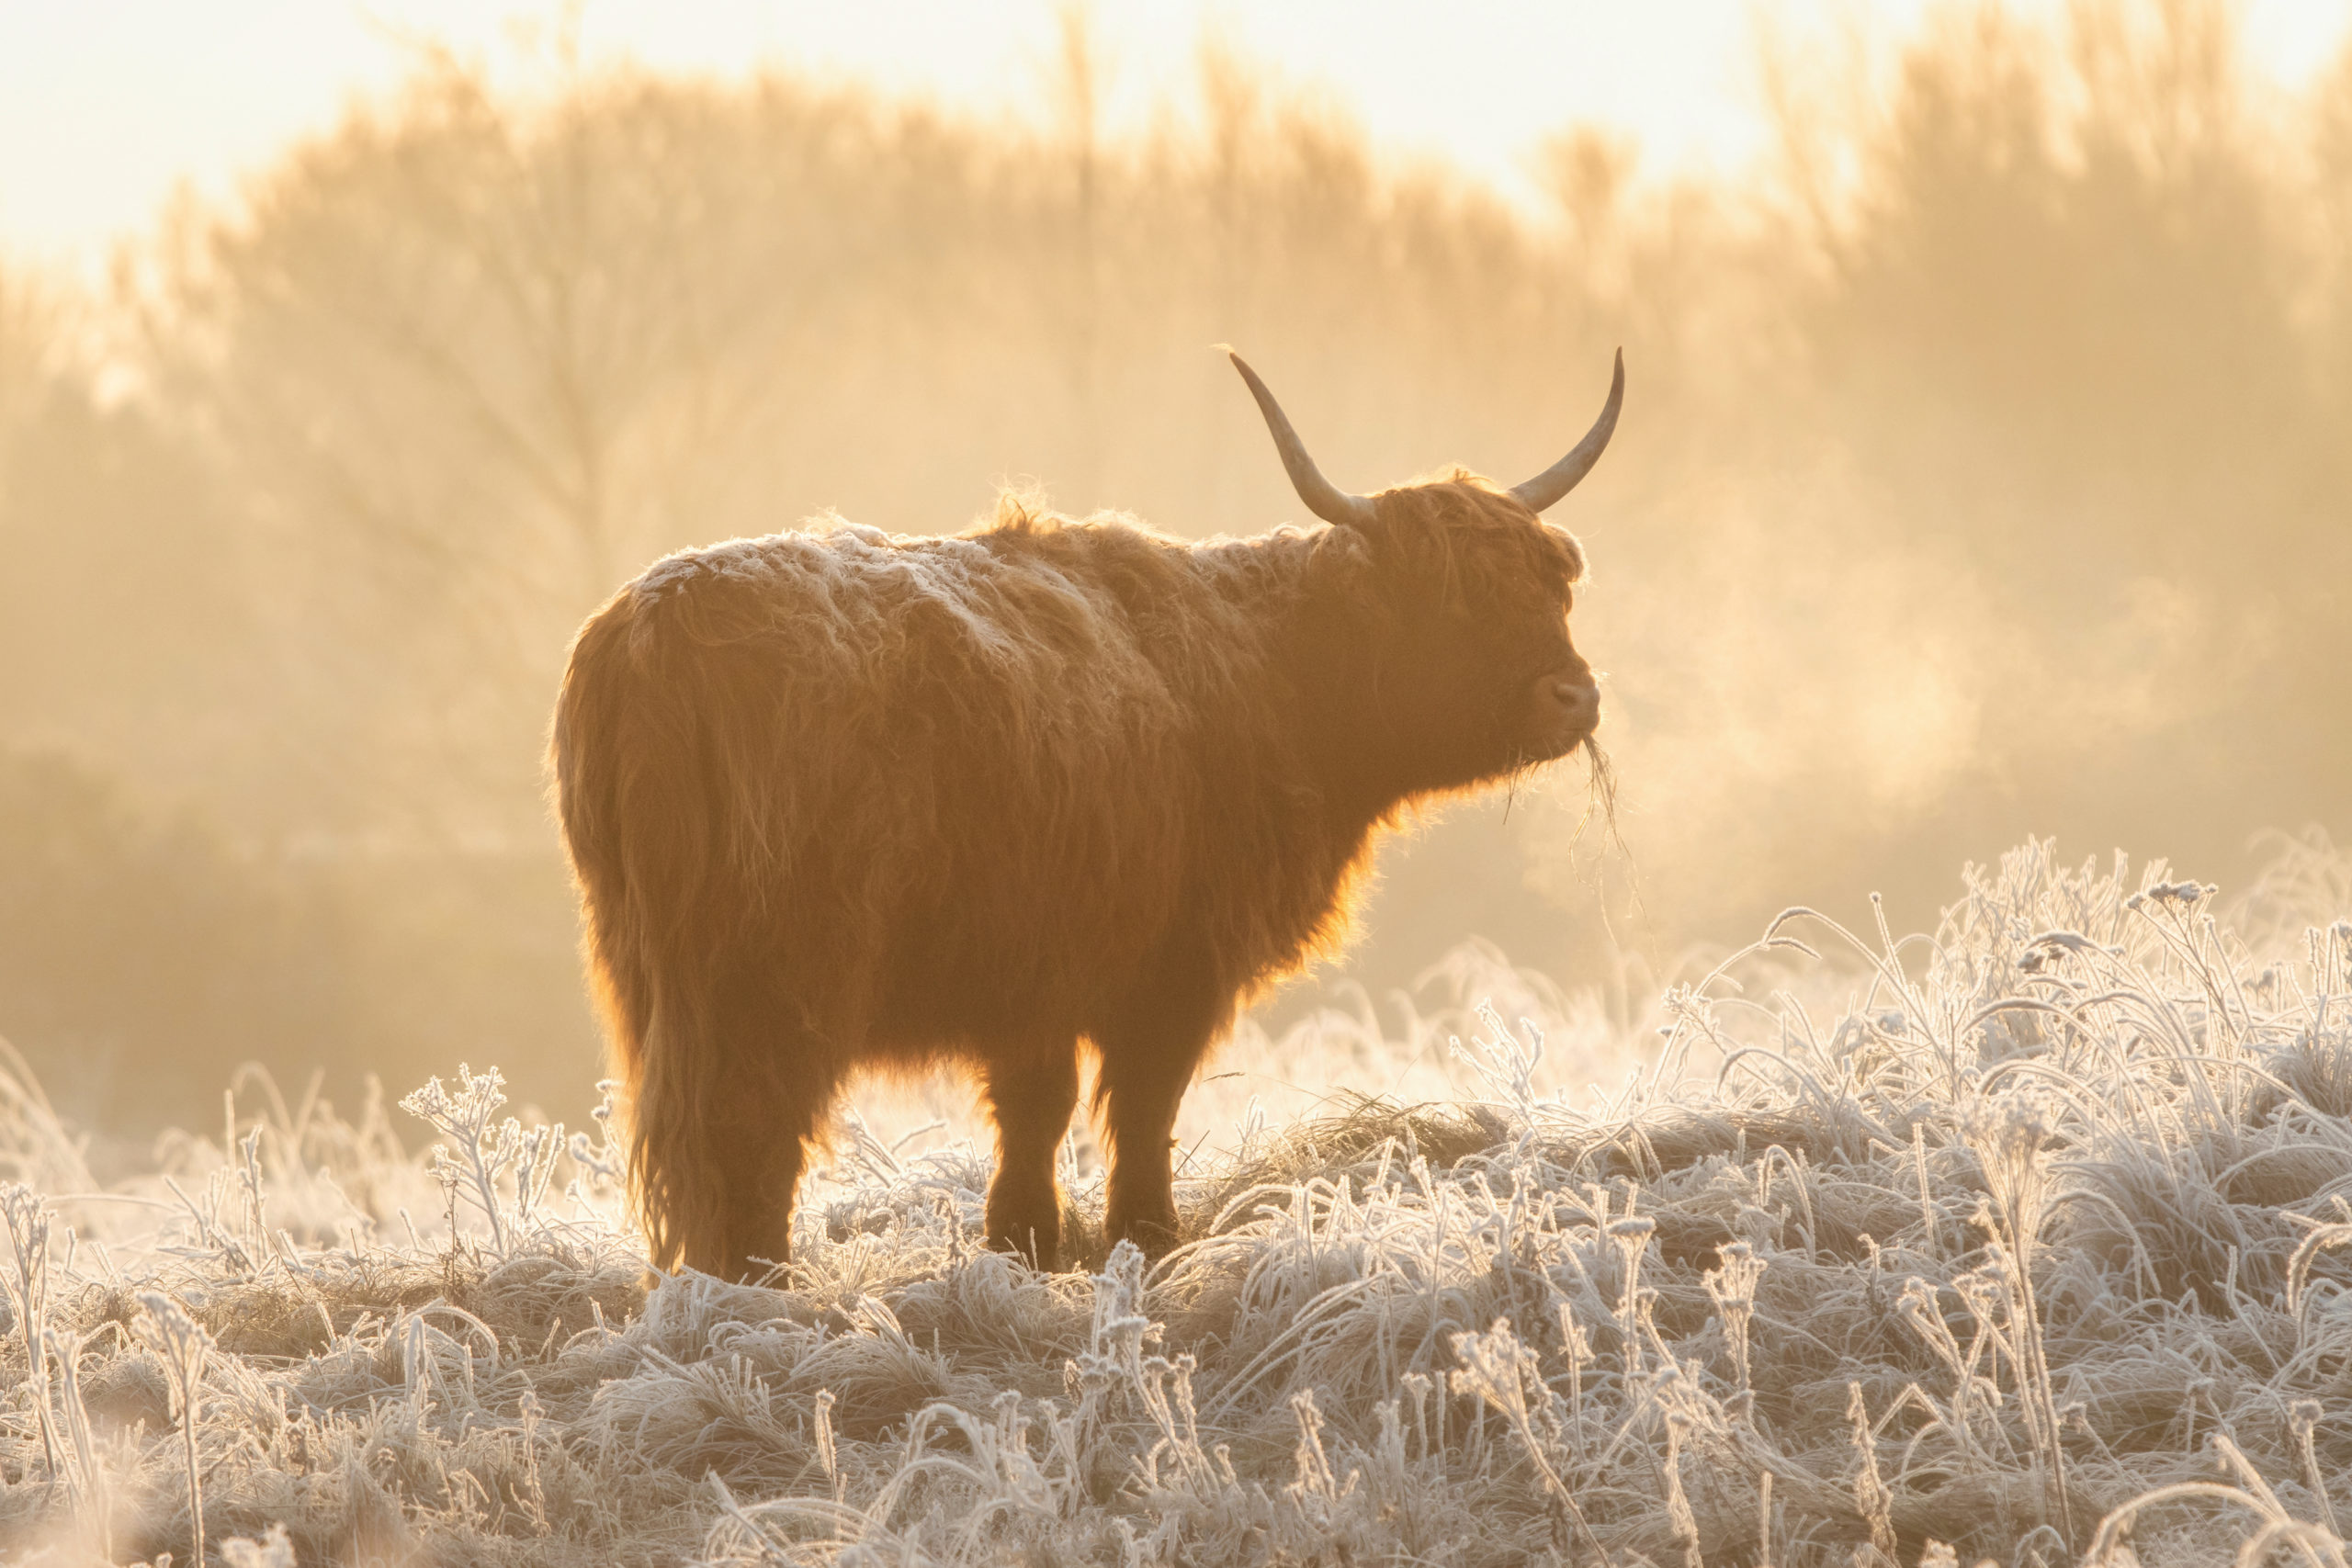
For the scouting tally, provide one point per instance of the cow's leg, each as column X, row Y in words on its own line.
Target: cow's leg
column 1150, row 1048
column 759, row 1149
column 734, row 1086
column 1031, row 1093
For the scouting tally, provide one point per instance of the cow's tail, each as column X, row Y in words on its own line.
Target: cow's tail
column 633, row 785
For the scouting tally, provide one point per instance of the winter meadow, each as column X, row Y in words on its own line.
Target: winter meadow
column 1981, row 488
column 2021, row 1239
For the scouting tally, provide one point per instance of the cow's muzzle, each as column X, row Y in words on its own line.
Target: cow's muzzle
column 1565, row 711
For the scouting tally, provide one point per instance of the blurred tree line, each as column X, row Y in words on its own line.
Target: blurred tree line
column 1984, row 472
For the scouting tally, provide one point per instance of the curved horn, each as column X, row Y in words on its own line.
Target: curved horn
column 1561, row 477
column 1323, row 497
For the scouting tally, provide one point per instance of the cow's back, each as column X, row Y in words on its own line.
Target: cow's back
column 960, row 779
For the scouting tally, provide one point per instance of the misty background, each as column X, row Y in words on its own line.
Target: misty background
column 1984, row 472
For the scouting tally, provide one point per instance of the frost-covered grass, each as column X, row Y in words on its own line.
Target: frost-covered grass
column 2028, row 1239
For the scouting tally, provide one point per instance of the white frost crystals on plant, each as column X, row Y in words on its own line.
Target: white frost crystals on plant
column 183, row 1346
column 2025, row 1240
column 501, row 1168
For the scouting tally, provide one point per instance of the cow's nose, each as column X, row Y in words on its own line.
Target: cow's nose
column 1579, row 699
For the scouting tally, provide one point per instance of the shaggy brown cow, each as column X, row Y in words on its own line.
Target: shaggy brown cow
column 840, row 799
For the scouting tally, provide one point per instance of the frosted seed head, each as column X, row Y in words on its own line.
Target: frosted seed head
column 2008, row 1126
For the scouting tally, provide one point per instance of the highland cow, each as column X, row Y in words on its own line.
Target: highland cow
column 841, row 800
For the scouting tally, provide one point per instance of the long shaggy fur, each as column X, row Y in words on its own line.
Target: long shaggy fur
column 837, row 799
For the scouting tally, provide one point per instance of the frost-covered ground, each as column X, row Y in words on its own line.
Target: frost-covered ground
column 2028, row 1239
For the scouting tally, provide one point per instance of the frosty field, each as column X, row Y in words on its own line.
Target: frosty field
column 2025, row 1240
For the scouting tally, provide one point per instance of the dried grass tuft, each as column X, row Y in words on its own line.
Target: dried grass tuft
column 2027, row 1242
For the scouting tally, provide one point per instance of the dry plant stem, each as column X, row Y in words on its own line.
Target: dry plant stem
column 1732, row 1288
column 2009, row 1136
column 826, row 1456
column 1632, row 1235
column 1494, row 1368
column 2304, row 1416
column 93, row 1499
column 1677, row 1504
column 28, row 1220
column 183, row 1344
column 1872, row 1498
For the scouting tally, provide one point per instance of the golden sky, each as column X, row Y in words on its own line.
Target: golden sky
column 107, row 106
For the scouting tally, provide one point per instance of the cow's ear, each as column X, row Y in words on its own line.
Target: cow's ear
column 1572, row 549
